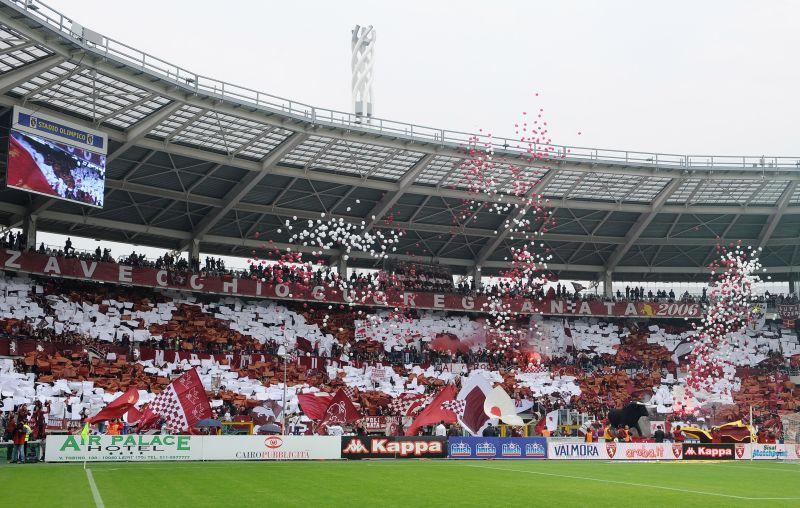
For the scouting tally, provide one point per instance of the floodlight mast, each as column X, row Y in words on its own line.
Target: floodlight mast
column 362, row 60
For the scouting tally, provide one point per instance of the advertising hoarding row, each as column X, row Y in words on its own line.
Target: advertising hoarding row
column 140, row 448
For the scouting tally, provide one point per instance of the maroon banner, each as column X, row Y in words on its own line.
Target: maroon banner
column 53, row 266
column 378, row 423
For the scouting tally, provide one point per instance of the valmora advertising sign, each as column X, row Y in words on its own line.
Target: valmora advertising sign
column 271, row 447
column 699, row 451
column 567, row 450
column 71, row 448
column 364, row 447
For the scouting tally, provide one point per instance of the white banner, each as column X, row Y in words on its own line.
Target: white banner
column 69, row 448
column 272, row 447
column 644, row 451
column 757, row 451
column 614, row 451
column 566, row 451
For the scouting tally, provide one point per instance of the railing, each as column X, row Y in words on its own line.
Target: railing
column 198, row 84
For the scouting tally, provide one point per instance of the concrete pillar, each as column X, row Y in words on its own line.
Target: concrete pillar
column 341, row 266
column 608, row 286
column 792, row 287
column 29, row 232
column 476, row 276
column 194, row 250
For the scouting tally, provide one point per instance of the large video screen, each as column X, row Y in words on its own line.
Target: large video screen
column 44, row 166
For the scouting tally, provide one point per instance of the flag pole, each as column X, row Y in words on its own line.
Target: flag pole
column 85, row 439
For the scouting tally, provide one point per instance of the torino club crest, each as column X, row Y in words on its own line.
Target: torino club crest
column 336, row 413
column 611, row 449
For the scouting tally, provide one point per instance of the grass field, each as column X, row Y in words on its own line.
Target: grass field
column 404, row 483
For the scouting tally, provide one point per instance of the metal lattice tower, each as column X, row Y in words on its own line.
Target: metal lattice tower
column 362, row 60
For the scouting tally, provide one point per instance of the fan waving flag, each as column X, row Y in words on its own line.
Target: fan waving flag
column 181, row 405
column 117, row 407
column 408, row 404
column 436, row 411
column 340, row 410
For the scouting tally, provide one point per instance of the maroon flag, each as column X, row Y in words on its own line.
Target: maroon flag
column 304, row 345
column 117, row 407
column 181, row 405
column 340, row 410
column 437, row 411
column 314, row 404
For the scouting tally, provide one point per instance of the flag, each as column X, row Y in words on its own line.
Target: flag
column 117, row 407
column 304, row 344
column 181, row 405
column 350, row 391
column 578, row 287
column 499, row 405
column 474, row 391
column 408, row 404
column 435, row 412
column 314, row 404
column 551, row 420
column 85, row 433
column 340, row 410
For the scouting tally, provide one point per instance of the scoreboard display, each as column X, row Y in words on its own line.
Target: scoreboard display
column 53, row 157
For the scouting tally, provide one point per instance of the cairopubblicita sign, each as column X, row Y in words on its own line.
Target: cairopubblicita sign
column 72, row 448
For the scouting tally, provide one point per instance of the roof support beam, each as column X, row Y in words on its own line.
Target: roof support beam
column 775, row 217
column 519, row 211
column 139, row 130
column 241, row 189
column 641, row 224
column 14, row 78
column 389, row 199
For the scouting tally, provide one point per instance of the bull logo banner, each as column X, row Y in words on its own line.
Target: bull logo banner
column 611, row 449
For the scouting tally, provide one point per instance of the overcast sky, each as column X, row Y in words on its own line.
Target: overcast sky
column 716, row 77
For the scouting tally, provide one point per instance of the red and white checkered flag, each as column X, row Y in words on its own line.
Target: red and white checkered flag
column 181, row 405
column 350, row 391
column 456, row 406
column 409, row 404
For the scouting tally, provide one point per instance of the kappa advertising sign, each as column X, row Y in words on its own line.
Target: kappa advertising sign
column 497, row 448
column 364, row 447
column 716, row 451
column 70, row 448
column 271, row 448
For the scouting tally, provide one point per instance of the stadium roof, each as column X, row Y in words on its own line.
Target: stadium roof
column 193, row 159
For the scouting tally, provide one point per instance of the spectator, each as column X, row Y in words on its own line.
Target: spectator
column 658, row 435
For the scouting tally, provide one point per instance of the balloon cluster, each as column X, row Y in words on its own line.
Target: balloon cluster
column 733, row 277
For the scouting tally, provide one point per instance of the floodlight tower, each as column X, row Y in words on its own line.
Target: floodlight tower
column 362, row 59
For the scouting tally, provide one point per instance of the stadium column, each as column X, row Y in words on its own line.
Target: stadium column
column 29, row 232
column 608, row 287
column 792, row 287
column 476, row 276
column 341, row 266
column 194, row 250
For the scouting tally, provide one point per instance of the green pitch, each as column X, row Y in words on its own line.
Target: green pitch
column 405, row 483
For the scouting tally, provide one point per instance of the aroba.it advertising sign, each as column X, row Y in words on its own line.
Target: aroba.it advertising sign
column 364, row 447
